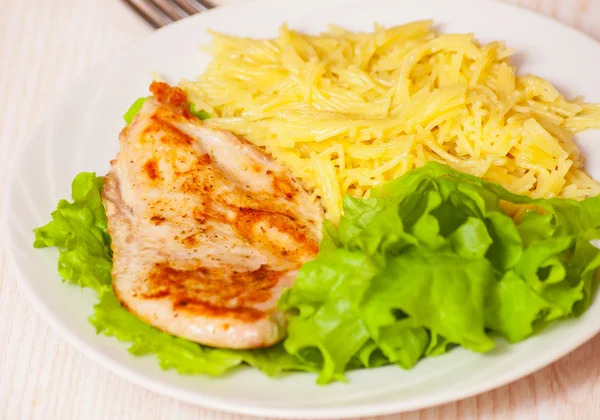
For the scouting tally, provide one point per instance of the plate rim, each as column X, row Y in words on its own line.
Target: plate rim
column 123, row 370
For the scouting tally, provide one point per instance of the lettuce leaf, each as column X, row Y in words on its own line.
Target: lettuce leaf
column 201, row 114
column 134, row 109
column 78, row 229
column 429, row 262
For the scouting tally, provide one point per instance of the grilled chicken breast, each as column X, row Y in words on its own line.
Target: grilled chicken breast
column 207, row 230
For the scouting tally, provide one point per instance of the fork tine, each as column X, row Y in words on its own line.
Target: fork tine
column 170, row 8
column 149, row 13
column 201, row 5
column 187, row 6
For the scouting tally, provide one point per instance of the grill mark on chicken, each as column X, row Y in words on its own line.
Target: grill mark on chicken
column 151, row 169
column 204, row 159
column 157, row 219
column 213, row 292
column 251, row 224
column 190, row 240
column 284, row 187
column 169, row 134
column 206, row 229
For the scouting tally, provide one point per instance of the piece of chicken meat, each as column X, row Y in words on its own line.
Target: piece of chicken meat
column 207, row 230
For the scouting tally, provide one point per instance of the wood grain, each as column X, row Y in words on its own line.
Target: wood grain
column 45, row 45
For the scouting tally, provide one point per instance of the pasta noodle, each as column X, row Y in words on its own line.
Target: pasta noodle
column 345, row 111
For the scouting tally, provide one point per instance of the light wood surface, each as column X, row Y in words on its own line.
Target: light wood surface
column 46, row 44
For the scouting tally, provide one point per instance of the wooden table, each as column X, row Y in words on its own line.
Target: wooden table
column 44, row 45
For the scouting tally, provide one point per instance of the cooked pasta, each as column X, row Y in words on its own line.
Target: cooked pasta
column 346, row 111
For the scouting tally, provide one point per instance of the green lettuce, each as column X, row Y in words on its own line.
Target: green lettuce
column 78, row 229
column 201, row 114
column 429, row 262
column 134, row 109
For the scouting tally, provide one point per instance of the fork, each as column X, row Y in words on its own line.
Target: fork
column 159, row 13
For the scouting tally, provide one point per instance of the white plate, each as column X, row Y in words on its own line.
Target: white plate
column 80, row 134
